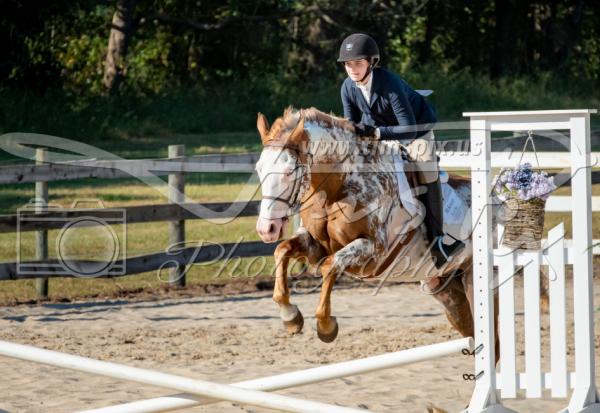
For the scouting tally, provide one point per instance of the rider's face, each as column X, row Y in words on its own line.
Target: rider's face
column 356, row 69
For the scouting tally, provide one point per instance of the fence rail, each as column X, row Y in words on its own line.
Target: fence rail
column 135, row 215
column 138, row 264
column 226, row 163
column 177, row 166
column 127, row 168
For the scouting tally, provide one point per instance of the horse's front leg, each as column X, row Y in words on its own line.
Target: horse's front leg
column 354, row 255
column 300, row 245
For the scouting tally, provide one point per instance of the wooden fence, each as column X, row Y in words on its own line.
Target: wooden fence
column 174, row 212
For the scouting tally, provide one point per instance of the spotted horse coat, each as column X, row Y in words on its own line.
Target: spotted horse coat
column 353, row 221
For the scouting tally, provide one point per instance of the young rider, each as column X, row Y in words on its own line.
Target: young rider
column 384, row 106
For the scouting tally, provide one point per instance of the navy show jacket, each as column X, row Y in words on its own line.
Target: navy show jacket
column 395, row 107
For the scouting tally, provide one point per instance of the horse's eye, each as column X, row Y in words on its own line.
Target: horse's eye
column 290, row 169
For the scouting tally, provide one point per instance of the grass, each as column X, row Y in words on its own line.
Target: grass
column 141, row 239
column 223, row 116
column 145, row 147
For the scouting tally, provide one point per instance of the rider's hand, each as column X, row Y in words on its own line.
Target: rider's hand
column 363, row 130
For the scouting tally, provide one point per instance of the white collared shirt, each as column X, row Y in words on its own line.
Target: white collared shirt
column 366, row 88
column 366, row 91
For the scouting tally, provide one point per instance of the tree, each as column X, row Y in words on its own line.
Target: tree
column 118, row 40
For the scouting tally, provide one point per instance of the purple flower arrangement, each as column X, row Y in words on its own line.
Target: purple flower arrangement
column 524, row 183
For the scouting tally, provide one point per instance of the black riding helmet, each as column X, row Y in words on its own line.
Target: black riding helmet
column 359, row 46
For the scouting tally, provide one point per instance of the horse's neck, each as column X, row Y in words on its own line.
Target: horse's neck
column 329, row 144
column 327, row 186
column 337, row 155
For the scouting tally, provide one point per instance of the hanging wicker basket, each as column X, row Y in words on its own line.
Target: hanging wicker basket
column 524, row 223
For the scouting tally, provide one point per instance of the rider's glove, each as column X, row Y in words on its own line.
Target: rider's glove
column 363, row 130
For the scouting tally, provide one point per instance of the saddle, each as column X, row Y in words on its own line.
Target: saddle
column 407, row 175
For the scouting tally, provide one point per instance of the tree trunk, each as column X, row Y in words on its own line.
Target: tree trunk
column 120, row 33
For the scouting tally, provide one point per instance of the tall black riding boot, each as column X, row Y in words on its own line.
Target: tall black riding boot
column 434, row 223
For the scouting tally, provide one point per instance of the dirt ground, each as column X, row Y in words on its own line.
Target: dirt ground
column 228, row 338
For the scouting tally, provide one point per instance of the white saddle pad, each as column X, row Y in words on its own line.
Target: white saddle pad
column 453, row 205
column 407, row 197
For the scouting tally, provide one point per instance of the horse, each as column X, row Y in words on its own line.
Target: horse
column 352, row 219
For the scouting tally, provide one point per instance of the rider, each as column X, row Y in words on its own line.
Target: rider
column 384, row 106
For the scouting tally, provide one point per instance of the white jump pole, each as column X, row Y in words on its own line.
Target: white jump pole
column 169, row 381
column 300, row 378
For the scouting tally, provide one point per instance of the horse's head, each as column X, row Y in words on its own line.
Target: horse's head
column 283, row 172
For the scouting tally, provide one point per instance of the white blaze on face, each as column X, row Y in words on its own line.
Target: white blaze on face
column 277, row 172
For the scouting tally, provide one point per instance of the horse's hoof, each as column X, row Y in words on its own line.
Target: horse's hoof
column 294, row 326
column 328, row 336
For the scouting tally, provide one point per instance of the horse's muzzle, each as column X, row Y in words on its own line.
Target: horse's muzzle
column 271, row 230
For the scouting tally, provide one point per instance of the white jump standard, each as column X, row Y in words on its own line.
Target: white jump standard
column 585, row 397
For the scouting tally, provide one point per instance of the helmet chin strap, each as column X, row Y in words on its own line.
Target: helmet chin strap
column 367, row 73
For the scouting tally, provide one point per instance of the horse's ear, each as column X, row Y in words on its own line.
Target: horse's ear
column 287, row 112
column 263, row 126
column 297, row 135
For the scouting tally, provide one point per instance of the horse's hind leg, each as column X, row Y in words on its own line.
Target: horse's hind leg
column 455, row 292
column 300, row 245
column 467, row 281
column 450, row 292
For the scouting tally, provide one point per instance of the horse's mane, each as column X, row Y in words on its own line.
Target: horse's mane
column 291, row 117
column 371, row 151
column 341, row 130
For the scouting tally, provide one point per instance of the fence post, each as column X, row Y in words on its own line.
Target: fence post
column 41, row 236
column 176, row 228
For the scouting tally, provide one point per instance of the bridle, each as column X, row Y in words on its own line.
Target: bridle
column 293, row 201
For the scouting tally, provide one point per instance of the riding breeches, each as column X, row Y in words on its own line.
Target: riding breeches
column 422, row 152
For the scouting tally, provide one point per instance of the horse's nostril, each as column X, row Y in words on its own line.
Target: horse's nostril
column 271, row 228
